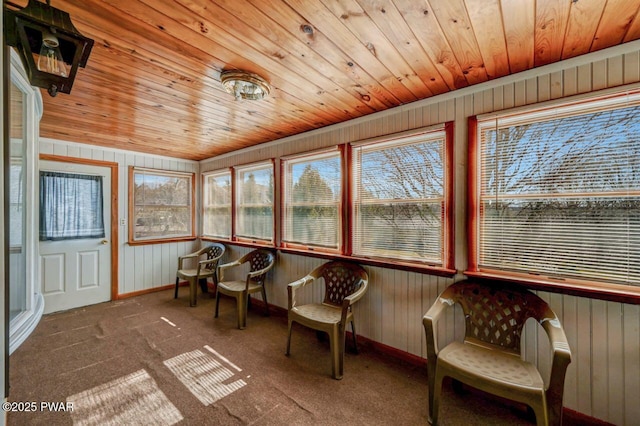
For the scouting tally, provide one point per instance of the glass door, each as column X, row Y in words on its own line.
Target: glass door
column 25, row 303
column 17, row 235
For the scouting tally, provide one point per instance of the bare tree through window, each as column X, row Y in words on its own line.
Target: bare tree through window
column 561, row 196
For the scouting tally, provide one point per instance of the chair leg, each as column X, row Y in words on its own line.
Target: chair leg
column 554, row 410
column 337, row 352
column 175, row 296
column 193, row 293
column 431, row 380
column 289, row 339
column 433, row 408
column 217, row 302
column 353, row 335
column 541, row 412
column 242, row 300
column 203, row 285
column 264, row 299
column 214, row 278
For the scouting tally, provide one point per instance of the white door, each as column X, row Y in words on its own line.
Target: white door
column 77, row 272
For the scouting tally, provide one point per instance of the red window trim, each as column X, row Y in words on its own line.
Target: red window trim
column 132, row 241
column 580, row 288
column 448, row 249
column 340, row 150
column 377, row 262
column 202, row 207
column 234, row 237
column 345, row 252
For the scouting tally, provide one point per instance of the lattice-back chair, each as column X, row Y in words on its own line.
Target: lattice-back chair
column 203, row 270
column 490, row 356
column 260, row 262
column 344, row 283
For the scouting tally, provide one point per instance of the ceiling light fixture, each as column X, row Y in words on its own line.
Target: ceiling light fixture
column 50, row 47
column 245, row 85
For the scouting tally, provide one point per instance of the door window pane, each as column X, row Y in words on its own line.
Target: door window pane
column 70, row 206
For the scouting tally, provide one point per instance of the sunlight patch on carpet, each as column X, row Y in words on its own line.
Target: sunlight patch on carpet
column 210, row 349
column 134, row 399
column 203, row 376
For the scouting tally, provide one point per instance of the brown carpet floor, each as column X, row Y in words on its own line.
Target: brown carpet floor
column 152, row 359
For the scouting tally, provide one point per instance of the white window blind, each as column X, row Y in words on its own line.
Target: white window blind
column 560, row 192
column 216, row 217
column 254, row 202
column 398, row 198
column 312, row 200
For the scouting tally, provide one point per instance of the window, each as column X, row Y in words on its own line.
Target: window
column 70, row 206
column 312, row 201
column 402, row 195
column 254, row 203
column 160, row 206
column 557, row 192
column 216, row 202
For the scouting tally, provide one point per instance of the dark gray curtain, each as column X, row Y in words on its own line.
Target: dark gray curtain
column 70, row 206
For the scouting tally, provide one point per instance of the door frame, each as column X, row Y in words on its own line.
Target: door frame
column 114, row 208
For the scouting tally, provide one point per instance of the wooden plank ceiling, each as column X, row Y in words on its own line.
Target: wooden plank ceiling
column 152, row 82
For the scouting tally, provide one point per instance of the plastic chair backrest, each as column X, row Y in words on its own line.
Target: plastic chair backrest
column 496, row 315
column 341, row 279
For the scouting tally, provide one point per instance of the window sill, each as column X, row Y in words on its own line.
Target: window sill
column 405, row 266
column 391, row 264
column 299, row 248
column 161, row 241
column 241, row 243
column 382, row 263
column 589, row 289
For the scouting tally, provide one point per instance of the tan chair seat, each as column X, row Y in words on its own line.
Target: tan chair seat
column 188, row 273
column 491, row 368
column 238, row 286
column 319, row 313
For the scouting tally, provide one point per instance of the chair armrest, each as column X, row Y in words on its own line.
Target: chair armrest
column 292, row 287
column 561, row 358
column 430, row 321
column 301, row 282
column 350, row 300
column 357, row 295
column 224, row 266
column 257, row 274
column 207, row 264
column 186, row 256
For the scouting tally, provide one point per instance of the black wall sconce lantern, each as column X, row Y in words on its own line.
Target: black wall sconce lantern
column 50, row 47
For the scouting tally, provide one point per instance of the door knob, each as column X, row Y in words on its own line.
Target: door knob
column 103, row 242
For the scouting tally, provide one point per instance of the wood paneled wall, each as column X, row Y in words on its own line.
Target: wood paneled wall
column 603, row 381
column 141, row 267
